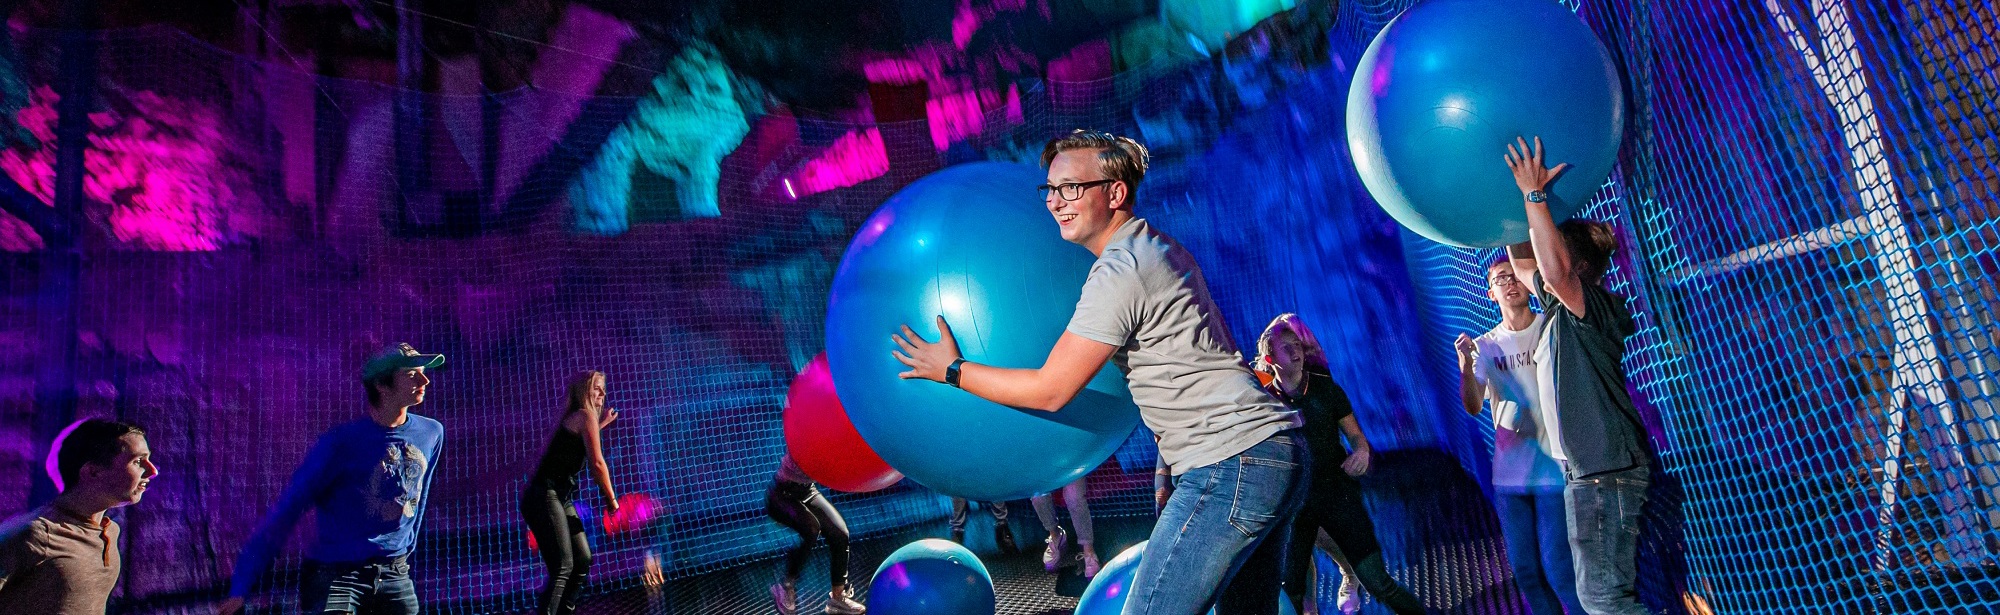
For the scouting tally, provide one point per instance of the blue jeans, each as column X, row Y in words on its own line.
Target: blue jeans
column 380, row 587
column 1535, row 527
column 1604, row 538
column 1225, row 522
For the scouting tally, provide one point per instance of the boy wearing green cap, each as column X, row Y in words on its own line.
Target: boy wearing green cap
column 369, row 479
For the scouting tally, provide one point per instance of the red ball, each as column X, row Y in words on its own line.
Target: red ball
column 822, row 439
column 635, row 510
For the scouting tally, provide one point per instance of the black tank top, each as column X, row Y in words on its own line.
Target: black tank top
column 560, row 463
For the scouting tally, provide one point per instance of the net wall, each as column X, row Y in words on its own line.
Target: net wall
column 1806, row 203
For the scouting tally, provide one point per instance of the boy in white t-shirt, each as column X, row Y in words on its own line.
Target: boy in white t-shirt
column 1499, row 368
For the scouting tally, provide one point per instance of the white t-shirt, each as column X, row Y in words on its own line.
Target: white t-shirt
column 1545, row 382
column 1524, row 434
column 1146, row 296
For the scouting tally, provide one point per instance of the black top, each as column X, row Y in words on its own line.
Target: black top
column 1601, row 431
column 560, row 464
column 1322, row 404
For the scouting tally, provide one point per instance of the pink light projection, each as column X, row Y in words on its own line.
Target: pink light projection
column 853, row 158
column 1087, row 62
column 897, row 71
column 955, row 117
column 159, row 163
column 965, row 23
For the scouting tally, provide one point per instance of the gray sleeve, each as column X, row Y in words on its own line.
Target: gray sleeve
column 1108, row 311
column 15, row 546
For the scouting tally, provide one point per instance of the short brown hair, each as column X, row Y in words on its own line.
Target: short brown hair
column 1591, row 245
column 1119, row 158
column 92, row 441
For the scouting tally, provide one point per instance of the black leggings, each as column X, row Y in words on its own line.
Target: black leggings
column 803, row 509
column 559, row 534
column 1335, row 506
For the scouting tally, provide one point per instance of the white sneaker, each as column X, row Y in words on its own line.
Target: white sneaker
column 1349, row 597
column 1052, row 555
column 843, row 603
column 786, row 598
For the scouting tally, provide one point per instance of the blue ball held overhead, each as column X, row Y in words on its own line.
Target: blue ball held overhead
column 931, row 577
column 975, row 244
column 1449, row 83
column 1107, row 591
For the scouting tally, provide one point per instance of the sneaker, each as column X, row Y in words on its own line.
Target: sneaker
column 1349, row 597
column 786, row 598
column 1090, row 563
column 1052, row 555
column 958, row 535
column 1004, row 536
column 843, row 603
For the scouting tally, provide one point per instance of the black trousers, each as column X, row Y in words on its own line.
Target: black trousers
column 1334, row 504
column 802, row 508
column 565, row 551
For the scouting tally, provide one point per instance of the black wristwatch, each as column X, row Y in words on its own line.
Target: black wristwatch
column 1537, row 196
column 951, row 373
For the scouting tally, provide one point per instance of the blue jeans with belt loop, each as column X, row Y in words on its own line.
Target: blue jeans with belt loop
column 1221, row 536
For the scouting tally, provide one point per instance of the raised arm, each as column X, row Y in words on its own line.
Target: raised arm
column 1470, row 390
column 1552, row 256
column 1069, row 366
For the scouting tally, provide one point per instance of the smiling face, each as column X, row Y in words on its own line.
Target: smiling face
column 1090, row 219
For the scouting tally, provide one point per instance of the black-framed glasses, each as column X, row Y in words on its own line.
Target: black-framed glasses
column 1070, row 191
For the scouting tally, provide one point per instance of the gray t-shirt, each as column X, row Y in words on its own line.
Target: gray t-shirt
column 1147, row 296
column 1583, row 378
column 54, row 562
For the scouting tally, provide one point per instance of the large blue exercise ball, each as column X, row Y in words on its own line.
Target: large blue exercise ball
column 1107, row 591
column 1449, row 83
column 931, row 577
column 973, row 243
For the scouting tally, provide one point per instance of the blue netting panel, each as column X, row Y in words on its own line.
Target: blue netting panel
column 1806, row 206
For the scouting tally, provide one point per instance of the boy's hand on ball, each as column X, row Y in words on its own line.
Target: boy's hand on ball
column 1530, row 173
column 926, row 360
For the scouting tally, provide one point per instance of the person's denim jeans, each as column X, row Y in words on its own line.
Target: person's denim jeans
column 1535, row 527
column 1226, row 521
column 371, row 588
column 1604, row 538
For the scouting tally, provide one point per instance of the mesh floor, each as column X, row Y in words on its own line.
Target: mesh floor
column 1438, row 533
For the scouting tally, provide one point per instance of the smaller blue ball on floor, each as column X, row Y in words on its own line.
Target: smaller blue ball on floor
column 1113, row 583
column 932, row 577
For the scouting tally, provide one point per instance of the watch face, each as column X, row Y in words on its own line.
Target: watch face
column 1537, row 196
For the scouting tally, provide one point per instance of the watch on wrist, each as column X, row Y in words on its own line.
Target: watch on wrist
column 951, row 373
column 1537, row 196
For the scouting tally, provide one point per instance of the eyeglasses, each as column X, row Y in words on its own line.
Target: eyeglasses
column 1070, row 191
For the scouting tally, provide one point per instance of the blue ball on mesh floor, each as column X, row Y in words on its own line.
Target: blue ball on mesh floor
column 931, row 577
column 974, row 243
column 1448, row 84
column 1107, row 591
